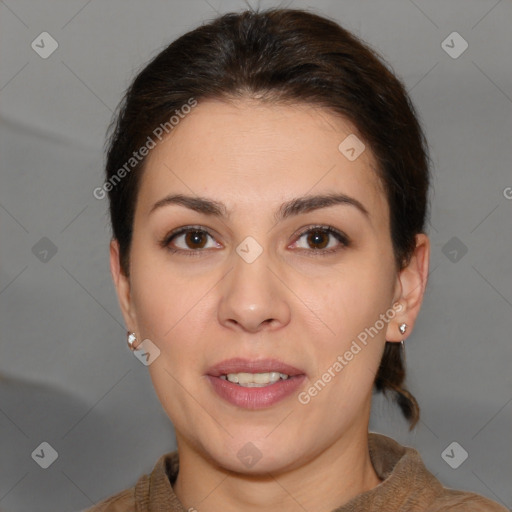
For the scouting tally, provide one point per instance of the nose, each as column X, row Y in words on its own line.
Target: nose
column 253, row 298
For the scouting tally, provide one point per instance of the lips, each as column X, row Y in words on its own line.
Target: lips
column 241, row 365
column 254, row 398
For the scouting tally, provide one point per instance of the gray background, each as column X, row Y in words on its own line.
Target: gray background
column 67, row 375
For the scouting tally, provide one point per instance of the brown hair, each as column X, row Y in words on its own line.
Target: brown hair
column 286, row 56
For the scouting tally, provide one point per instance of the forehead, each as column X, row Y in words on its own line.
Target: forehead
column 250, row 154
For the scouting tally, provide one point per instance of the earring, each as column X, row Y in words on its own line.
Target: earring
column 402, row 328
column 132, row 338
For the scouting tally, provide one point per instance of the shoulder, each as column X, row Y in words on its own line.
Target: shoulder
column 123, row 501
column 150, row 490
column 451, row 500
column 408, row 485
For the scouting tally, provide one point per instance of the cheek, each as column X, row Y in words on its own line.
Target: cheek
column 169, row 313
column 161, row 296
column 353, row 298
column 351, row 304
column 153, row 301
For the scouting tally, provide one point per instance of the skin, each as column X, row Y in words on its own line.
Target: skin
column 290, row 303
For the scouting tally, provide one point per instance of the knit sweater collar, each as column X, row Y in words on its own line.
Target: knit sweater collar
column 406, row 481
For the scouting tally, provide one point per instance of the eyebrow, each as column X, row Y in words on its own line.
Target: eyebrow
column 291, row 208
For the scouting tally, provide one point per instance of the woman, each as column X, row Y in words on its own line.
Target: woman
column 268, row 183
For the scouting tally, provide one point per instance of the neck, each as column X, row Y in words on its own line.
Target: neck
column 323, row 483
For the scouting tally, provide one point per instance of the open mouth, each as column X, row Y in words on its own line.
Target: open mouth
column 254, row 383
column 254, row 380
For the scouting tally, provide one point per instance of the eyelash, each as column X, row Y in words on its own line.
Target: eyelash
column 329, row 230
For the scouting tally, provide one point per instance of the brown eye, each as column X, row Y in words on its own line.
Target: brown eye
column 189, row 241
column 195, row 239
column 318, row 239
column 322, row 240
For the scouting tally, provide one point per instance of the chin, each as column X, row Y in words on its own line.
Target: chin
column 258, row 458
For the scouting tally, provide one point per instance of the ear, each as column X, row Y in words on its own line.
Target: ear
column 410, row 288
column 122, row 284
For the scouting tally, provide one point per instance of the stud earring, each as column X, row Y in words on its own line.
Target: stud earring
column 132, row 338
column 402, row 328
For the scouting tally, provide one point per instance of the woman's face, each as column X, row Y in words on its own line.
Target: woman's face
column 258, row 277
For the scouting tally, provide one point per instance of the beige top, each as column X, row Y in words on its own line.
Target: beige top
column 407, row 486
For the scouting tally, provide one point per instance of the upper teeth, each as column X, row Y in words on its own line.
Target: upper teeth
column 254, row 379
